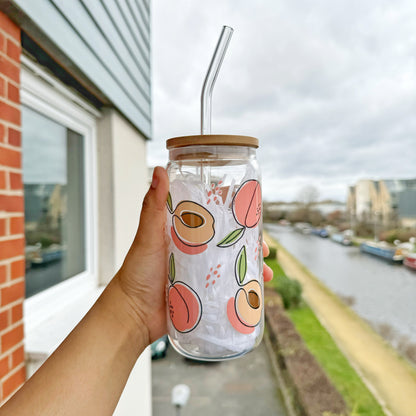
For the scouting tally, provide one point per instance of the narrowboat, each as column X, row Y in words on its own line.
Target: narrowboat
column 341, row 239
column 410, row 261
column 383, row 250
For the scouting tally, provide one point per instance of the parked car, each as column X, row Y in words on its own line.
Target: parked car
column 159, row 347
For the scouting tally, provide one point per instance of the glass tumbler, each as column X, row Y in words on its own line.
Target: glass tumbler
column 215, row 260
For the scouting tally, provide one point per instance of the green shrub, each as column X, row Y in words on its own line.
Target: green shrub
column 290, row 290
column 397, row 234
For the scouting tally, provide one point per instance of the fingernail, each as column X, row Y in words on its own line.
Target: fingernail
column 155, row 180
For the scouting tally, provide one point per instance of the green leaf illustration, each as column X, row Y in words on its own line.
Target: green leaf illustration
column 231, row 238
column 241, row 265
column 169, row 203
column 172, row 271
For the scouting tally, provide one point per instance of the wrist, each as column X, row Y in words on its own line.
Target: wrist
column 121, row 310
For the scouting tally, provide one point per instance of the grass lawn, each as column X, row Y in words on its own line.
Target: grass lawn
column 357, row 396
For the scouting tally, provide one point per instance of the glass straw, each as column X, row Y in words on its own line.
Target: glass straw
column 211, row 77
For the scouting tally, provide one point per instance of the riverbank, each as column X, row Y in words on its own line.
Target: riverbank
column 392, row 380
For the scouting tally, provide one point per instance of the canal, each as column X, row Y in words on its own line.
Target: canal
column 382, row 293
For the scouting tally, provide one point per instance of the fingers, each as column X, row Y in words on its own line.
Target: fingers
column 267, row 273
column 266, row 250
column 153, row 216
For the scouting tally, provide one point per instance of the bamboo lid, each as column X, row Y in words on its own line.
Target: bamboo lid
column 213, row 140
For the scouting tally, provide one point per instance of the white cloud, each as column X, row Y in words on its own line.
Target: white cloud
column 329, row 88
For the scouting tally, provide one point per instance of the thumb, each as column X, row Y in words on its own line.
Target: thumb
column 150, row 234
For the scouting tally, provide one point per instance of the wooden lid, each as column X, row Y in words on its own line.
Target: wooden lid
column 213, row 140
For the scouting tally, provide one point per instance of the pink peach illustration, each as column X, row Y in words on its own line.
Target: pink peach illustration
column 193, row 227
column 246, row 204
column 185, row 308
column 245, row 309
column 234, row 321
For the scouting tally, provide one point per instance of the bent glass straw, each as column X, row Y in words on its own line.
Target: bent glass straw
column 211, row 77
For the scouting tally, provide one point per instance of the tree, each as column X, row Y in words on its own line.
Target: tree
column 308, row 195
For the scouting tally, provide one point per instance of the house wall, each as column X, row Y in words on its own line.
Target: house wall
column 122, row 168
column 103, row 44
column 12, row 259
column 386, row 202
column 363, row 199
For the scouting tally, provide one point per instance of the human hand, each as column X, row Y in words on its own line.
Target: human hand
column 143, row 274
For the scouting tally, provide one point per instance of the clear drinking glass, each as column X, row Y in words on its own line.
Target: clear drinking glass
column 215, row 286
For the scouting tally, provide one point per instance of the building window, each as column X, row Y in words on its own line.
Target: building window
column 59, row 175
column 53, row 176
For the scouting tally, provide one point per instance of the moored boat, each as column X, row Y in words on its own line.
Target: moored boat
column 320, row 232
column 341, row 239
column 410, row 261
column 383, row 250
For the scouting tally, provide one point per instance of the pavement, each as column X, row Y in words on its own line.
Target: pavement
column 390, row 378
column 239, row 387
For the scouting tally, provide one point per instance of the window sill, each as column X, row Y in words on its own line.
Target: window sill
column 42, row 339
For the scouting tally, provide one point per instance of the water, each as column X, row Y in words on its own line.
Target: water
column 383, row 293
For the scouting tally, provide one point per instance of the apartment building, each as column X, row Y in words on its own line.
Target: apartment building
column 75, row 116
column 391, row 202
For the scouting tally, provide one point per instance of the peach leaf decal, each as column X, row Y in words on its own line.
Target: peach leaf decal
column 241, row 265
column 172, row 271
column 231, row 238
column 169, row 203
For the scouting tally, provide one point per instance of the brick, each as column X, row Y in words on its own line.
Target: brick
column 11, row 338
column 11, row 203
column 3, row 273
column 13, row 93
column 8, row 26
column 12, row 248
column 17, row 313
column 2, row 179
column 10, row 157
column 18, row 357
column 4, row 320
column 2, row 132
column 13, row 50
column 3, row 227
column 2, row 42
column 15, row 137
column 4, row 366
column 18, row 269
column 12, row 293
column 17, row 225
column 14, row 382
column 15, row 180
column 10, row 113
column 9, row 69
column 2, row 87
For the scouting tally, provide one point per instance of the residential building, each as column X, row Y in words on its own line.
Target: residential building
column 388, row 202
column 75, row 116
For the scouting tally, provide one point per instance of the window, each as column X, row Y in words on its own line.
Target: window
column 58, row 140
column 53, row 176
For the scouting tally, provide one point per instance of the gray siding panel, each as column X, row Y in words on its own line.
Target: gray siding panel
column 109, row 41
column 125, row 25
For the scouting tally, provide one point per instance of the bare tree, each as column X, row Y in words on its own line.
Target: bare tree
column 308, row 195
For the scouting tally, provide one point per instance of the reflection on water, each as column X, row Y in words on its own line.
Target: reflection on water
column 382, row 293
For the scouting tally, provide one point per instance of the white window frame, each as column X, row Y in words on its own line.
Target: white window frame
column 49, row 97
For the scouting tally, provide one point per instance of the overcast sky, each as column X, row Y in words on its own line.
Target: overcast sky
column 329, row 88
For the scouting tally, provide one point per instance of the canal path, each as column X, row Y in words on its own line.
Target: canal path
column 391, row 379
column 382, row 293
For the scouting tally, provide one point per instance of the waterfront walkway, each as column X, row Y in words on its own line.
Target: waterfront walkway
column 391, row 379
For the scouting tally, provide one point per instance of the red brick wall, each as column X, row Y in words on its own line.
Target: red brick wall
column 12, row 259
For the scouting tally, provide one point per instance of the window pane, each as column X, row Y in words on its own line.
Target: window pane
column 53, row 176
